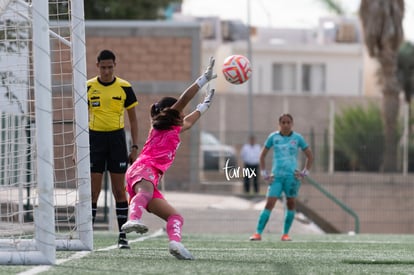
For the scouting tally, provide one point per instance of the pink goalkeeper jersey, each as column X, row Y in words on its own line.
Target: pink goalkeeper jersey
column 160, row 148
column 156, row 157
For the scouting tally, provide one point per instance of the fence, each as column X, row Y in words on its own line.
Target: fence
column 14, row 144
column 382, row 202
column 345, row 201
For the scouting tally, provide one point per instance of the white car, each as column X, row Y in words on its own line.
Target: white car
column 215, row 154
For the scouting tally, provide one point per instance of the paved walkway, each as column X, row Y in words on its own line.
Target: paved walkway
column 204, row 213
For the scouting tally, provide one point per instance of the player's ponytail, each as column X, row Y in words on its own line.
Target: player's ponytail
column 163, row 117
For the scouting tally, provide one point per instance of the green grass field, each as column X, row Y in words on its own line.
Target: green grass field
column 234, row 254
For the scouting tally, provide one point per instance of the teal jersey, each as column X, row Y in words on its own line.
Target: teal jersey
column 285, row 152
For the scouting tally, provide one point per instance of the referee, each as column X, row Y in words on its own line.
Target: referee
column 108, row 98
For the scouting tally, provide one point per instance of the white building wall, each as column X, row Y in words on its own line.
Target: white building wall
column 344, row 65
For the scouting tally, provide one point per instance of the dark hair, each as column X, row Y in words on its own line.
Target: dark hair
column 163, row 117
column 285, row 114
column 105, row 55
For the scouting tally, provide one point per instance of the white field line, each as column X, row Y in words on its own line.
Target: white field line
column 81, row 254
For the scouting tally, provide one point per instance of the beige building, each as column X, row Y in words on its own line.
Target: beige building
column 329, row 60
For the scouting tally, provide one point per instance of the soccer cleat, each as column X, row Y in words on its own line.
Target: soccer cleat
column 178, row 250
column 285, row 237
column 134, row 225
column 123, row 243
column 256, row 237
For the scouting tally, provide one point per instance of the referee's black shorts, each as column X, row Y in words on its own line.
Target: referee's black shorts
column 108, row 150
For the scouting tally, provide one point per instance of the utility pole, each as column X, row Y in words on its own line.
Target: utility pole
column 249, row 83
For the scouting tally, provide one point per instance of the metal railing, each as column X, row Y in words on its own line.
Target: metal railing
column 337, row 202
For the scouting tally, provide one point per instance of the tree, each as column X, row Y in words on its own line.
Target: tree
column 406, row 78
column 359, row 139
column 334, row 6
column 127, row 9
column 383, row 33
column 406, row 69
column 13, row 42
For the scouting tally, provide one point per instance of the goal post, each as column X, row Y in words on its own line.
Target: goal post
column 84, row 222
column 45, row 194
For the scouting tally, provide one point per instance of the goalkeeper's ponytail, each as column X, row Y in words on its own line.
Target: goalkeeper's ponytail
column 163, row 117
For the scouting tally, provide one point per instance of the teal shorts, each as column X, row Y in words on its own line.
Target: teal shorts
column 289, row 185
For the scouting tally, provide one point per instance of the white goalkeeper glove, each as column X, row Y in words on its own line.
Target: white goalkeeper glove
column 203, row 107
column 208, row 74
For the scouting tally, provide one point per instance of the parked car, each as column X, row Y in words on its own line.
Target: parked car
column 215, row 154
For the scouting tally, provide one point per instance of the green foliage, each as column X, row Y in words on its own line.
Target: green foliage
column 359, row 138
column 334, row 6
column 127, row 9
column 14, row 36
column 58, row 10
column 406, row 69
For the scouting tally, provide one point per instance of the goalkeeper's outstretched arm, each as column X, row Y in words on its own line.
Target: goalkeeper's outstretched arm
column 192, row 118
column 191, row 91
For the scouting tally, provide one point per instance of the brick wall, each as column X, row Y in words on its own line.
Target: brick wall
column 144, row 58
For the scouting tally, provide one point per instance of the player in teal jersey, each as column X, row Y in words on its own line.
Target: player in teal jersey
column 285, row 177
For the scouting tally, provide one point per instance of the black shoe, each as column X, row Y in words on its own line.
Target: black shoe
column 123, row 243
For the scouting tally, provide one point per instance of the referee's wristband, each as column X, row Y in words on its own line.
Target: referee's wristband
column 134, row 146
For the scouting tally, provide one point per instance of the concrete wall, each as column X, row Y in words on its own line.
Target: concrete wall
column 383, row 202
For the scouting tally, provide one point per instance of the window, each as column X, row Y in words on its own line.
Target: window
column 313, row 78
column 284, row 77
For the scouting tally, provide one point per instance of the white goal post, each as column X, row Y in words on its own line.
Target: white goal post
column 45, row 195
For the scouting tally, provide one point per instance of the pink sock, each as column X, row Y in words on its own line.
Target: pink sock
column 174, row 225
column 137, row 204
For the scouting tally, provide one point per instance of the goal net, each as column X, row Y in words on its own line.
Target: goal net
column 45, row 202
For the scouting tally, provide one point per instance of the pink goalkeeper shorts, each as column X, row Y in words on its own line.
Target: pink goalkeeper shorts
column 137, row 173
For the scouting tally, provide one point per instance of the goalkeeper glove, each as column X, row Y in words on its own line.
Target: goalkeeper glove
column 208, row 74
column 203, row 107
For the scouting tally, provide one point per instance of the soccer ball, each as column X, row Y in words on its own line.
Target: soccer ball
column 236, row 69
